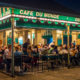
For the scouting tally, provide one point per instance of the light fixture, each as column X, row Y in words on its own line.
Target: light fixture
column 78, row 25
column 56, row 23
column 62, row 23
column 25, row 20
column 42, row 21
column 49, row 22
column 34, row 20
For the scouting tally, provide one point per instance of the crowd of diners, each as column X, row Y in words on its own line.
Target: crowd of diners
column 30, row 54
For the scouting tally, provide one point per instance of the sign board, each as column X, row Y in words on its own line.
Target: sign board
column 45, row 15
column 6, row 11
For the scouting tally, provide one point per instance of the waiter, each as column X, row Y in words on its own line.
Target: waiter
column 25, row 46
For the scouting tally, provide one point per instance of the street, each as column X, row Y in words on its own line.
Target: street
column 57, row 74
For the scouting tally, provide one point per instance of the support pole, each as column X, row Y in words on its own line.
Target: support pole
column 68, row 33
column 12, row 47
column 62, row 37
column 4, row 35
column 35, row 36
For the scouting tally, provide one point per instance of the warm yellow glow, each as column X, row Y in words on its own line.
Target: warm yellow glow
column 59, row 31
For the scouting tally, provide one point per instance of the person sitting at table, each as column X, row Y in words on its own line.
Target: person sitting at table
column 60, row 50
column 17, row 59
column 35, row 53
column 65, row 50
column 51, row 49
column 73, row 52
column 17, row 52
column 27, row 59
column 55, row 50
column 72, row 49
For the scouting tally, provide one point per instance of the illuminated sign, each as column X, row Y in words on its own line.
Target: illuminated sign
column 45, row 15
column 26, row 12
column 7, row 11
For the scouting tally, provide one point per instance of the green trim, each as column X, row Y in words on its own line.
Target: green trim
column 74, row 28
column 38, row 25
column 16, row 19
column 5, row 26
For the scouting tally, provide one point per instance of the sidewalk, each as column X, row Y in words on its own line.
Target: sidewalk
column 58, row 74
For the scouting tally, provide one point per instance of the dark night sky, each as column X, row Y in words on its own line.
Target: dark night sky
column 73, row 4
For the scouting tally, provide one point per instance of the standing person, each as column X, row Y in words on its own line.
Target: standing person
column 8, row 58
column 25, row 46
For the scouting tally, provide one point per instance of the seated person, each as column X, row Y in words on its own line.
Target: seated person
column 60, row 50
column 51, row 49
column 17, row 58
column 17, row 53
column 55, row 50
column 65, row 50
column 72, row 50
column 35, row 54
column 27, row 60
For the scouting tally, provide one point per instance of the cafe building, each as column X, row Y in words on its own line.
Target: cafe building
column 39, row 27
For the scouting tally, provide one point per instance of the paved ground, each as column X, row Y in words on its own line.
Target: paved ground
column 58, row 74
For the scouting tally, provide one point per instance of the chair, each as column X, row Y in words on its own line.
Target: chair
column 42, row 62
column 18, row 61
